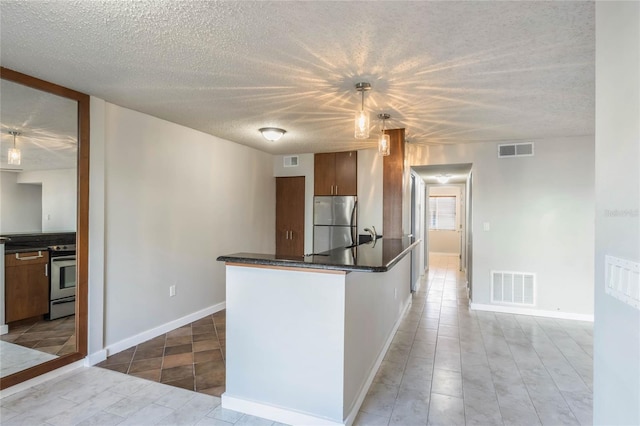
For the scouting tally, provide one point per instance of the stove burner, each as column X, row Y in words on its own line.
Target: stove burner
column 68, row 247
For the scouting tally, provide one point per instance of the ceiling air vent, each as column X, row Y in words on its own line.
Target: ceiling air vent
column 515, row 150
column 291, row 161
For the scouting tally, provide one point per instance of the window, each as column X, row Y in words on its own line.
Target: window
column 442, row 213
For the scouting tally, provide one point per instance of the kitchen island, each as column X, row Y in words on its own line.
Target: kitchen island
column 305, row 336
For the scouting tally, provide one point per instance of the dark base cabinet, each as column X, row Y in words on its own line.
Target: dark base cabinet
column 26, row 285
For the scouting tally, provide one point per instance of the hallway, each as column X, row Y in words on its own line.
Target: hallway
column 448, row 365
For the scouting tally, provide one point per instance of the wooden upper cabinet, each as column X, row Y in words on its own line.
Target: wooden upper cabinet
column 347, row 173
column 336, row 173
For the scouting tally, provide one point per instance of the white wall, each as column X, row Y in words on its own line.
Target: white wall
column 305, row 168
column 446, row 241
column 369, row 190
column 617, row 224
column 95, row 338
column 167, row 216
column 20, row 205
column 540, row 211
column 59, row 197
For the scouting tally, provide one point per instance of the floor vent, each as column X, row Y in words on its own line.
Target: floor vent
column 622, row 280
column 515, row 150
column 513, row 288
column 291, row 161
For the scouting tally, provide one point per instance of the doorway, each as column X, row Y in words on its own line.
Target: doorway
column 447, row 214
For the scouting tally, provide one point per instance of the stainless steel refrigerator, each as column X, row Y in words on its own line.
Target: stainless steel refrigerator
column 334, row 222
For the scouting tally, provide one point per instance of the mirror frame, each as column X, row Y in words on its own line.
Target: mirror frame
column 82, row 227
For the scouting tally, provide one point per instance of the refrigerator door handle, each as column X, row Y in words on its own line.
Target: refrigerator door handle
column 354, row 223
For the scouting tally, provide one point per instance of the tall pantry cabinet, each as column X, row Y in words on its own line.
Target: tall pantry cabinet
column 290, row 216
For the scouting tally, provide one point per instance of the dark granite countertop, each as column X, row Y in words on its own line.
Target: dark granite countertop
column 367, row 257
column 21, row 243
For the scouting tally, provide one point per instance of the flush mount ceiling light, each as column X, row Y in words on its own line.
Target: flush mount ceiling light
column 362, row 116
column 443, row 178
column 13, row 155
column 384, row 142
column 272, row 134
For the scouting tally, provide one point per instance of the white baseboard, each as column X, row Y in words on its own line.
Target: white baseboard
column 95, row 358
column 288, row 416
column 532, row 312
column 270, row 412
column 4, row 329
column 41, row 379
column 162, row 329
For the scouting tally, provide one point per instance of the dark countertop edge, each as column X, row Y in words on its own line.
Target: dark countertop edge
column 24, row 250
column 241, row 258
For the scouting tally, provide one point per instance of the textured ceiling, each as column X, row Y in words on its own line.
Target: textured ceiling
column 448, row 72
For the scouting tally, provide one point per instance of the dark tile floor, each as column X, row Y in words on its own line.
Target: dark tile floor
column 57, row 337
column 189, row 357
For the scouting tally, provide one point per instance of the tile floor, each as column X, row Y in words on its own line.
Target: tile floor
column 97, row 396
column 190, row 357
column 446, row 365
column 55, row 337
column 17, row 358
column 30, row 344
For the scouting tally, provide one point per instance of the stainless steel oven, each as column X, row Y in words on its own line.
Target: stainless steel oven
column 62, row 299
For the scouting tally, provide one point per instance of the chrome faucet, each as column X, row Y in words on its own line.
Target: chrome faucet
column 372, row 231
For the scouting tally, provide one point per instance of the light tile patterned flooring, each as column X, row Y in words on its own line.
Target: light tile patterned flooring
column 446, row 366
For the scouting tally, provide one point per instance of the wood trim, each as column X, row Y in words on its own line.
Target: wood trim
column 82, row 231
column 393, row 185
column 288, row 268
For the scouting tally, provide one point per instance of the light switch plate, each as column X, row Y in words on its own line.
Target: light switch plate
column 486, row 226
column 622, row 280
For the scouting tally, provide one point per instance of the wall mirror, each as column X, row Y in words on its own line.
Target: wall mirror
column 44, row 210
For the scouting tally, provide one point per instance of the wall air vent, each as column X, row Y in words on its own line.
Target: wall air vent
column 291, row 161
column 515, row 150
column 513, row 288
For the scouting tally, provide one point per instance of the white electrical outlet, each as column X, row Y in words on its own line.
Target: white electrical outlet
column 172, row 290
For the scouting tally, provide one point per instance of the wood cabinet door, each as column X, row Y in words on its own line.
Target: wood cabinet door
column 26, row 286
column 290, row 216
column 324, row 173
column 346, row 173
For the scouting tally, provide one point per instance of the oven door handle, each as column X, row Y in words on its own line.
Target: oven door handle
column 29, row 257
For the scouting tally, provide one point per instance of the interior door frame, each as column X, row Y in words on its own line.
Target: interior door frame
column 82, row 227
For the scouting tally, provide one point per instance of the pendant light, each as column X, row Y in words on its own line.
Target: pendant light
column 13, row 155
column 362, row 116
column 384, row 142
column 272, row 134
